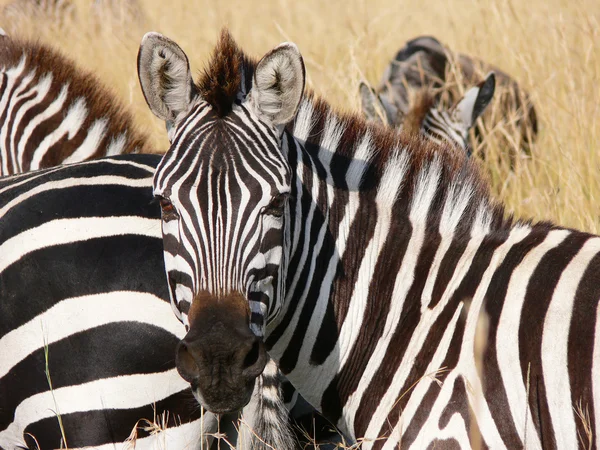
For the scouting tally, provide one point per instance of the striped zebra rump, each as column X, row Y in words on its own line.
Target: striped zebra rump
column 52, row 112
column 379, row 272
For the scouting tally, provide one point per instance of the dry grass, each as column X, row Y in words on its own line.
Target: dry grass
column 550, row 46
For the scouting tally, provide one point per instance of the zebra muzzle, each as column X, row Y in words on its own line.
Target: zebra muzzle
column 220, row 356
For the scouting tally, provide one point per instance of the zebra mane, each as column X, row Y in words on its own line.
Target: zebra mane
column 47, row 64
column 414, row 118
column 455, row 173
column 228, row 78
column 228, row 75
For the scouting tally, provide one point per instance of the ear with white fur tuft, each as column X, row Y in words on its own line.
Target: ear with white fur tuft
column 165, row 77
column 476, row 99
column 278, row 84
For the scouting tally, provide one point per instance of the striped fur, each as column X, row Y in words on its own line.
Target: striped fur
column 52, row 112
column 428, row 119
column 57, row 229
column 385, row 266
column 73, row 234
column 102, row 108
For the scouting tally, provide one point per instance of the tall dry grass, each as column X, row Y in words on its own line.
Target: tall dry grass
column 551, row 46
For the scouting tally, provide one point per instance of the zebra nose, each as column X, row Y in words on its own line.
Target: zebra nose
column 187, row 363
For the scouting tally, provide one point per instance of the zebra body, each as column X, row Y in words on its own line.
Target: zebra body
column 54, row 113
column 386, row 282
column 433, row 122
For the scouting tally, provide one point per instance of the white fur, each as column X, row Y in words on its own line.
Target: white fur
column 166, row 102
column 278, row 84
column 555, row 345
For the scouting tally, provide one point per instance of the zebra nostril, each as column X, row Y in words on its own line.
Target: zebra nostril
column 255, row 360
column 186, row 363
column 252, row 356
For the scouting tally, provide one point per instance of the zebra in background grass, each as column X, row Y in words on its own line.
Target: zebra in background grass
column 368, row 262
column 433, row 122
column 55, row 113
column 80, row 246
column 424, row 63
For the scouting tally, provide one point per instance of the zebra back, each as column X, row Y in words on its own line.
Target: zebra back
column 52, row 112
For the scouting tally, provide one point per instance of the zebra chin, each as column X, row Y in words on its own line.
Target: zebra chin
column 220, row 356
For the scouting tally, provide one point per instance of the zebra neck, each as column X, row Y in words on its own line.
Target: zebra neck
column 370, row 231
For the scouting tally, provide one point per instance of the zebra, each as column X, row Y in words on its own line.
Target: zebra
column 100, row 107
column 55, row 113
column 368, row 263
column 106, row 334
column 424, row 62
column 435, row 123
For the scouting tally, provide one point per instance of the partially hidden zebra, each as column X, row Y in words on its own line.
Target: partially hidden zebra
column 429, row 119
column 375, row 269
column 425, row 63
column 57, row 195
column 53, row 112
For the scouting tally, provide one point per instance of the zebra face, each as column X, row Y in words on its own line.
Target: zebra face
column 223, row 188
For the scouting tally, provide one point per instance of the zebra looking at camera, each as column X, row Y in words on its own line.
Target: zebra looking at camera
column 44, row 192
column 55, row 113
column 365, row 262
column 433, row 122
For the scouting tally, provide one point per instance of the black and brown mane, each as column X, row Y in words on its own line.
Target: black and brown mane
column 227, row 75
column 101, row 102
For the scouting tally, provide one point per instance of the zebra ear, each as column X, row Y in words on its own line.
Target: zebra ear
column 476, row 99
column 165, row 77
column 369, row 103
column 278, row 84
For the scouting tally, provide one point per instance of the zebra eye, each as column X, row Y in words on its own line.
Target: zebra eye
column 277, row 205
column 166, row 205
column 168, row 210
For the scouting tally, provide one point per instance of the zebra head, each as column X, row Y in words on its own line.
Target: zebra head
column 435, row 123
column 223, row 188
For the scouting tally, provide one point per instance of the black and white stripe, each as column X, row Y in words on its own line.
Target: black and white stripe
column 80, row 270
column 385, row 266
column 52, row 112
column 81, row 247
column 98, row 111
